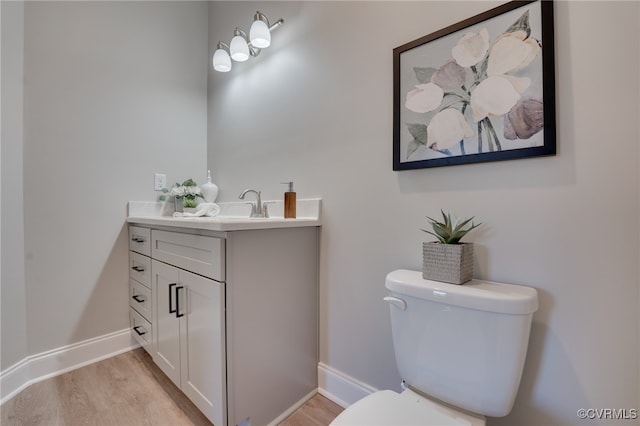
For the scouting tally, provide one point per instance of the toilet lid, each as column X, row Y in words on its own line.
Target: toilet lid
column 386, row 408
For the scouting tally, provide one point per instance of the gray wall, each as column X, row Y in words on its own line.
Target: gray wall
column 12, row 291
column 117, row 91
column 114, row 91
column 316, row 108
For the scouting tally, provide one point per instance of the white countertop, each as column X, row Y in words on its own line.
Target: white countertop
column 232, row 217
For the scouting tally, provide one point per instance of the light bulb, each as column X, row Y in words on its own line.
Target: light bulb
column 259, row 34
column 221, row 60
column 239, row 48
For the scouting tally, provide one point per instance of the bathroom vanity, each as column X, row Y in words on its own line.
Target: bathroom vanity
column 228, row 309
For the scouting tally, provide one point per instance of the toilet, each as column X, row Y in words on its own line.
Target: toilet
column 459, row 349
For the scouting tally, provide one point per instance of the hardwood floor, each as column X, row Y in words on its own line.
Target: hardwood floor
column 318, row 411
column 126, row 390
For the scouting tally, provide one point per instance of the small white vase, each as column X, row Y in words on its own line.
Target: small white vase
column 209, row 189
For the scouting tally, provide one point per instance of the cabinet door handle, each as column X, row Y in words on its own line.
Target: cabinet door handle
column 178, row 314
column 138, row 331
column 138, row 268
column 171, row 310
column 137, row 298
column 137, row 240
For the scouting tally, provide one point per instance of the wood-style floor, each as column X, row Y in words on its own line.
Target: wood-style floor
column 125, row 390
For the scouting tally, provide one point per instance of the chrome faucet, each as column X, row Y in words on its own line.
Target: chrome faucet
column 257, row 209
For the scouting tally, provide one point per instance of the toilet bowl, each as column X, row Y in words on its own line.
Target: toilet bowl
column 459, row 348
column 388, row 408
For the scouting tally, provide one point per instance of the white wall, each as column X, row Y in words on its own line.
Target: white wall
column 316, row 108
column 12, row 290
column 114, row 91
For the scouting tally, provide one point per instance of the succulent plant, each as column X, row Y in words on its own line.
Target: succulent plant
column 448, row 231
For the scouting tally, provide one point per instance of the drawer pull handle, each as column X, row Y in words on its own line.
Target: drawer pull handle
column 138, row 331
column 171, row 310
column 137, row 298
column 178, row 314
column 138, row 268
column 137, row 240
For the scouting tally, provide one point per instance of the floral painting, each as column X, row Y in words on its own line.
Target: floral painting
column 480, row 90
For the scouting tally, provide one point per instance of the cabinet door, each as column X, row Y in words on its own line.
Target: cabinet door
column 202, row 337
column 166, row 325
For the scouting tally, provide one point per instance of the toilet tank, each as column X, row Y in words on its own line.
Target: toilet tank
column 462, row 344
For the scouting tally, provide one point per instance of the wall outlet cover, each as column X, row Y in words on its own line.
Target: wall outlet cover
column 160, row 181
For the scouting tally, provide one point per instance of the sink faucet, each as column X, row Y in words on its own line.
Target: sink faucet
column 256, row 208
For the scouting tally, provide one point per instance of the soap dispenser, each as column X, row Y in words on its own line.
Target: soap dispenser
column 209, row 190
column 289, row 202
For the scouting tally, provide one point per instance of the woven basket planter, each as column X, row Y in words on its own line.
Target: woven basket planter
column 449, row 263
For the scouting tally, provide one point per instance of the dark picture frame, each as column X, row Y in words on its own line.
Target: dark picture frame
column 480, row 90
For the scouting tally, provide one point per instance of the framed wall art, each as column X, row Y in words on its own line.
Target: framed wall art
column 479, row 90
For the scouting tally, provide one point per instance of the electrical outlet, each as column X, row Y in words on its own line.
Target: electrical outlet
column 160, row 181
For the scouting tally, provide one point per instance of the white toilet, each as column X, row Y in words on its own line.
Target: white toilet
column 460, row 350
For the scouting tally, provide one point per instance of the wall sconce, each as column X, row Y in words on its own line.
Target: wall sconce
column 241, row 46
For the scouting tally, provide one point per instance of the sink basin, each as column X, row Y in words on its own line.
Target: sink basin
column 234, row 219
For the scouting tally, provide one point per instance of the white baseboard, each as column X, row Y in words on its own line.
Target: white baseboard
column 335, row 385
column 14, row 379
column 341, row 388
column 36, row 368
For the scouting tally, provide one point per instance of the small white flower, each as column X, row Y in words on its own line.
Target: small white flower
column 192, row 190
column 177, row 191
column 493, row 97
column 447, row 128
column 511, row 52
column 424, row 98
column 471, row 48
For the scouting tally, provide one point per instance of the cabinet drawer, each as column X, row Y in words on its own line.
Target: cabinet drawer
column 140, row 329
column 196, row 253
column 140, row 299
column 140, row 240
column 140, row 268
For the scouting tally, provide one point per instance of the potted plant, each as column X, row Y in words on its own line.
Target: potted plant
column 186, row 195
column 448, row 259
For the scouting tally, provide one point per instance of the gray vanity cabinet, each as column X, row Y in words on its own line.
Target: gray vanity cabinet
column 234, row 318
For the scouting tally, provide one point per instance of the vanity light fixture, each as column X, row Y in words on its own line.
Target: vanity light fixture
column 221, row 58
column 241, row 47
column 260, row 33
